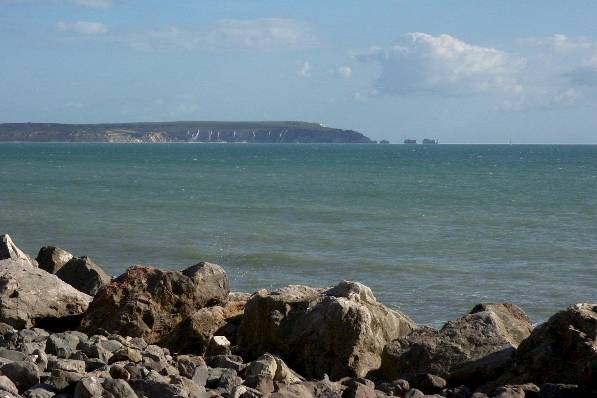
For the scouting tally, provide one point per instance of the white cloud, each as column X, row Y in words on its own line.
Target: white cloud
column 344, row 71
column 82, row 27
column 257, row 34
column 305, row 70
column 424, row 64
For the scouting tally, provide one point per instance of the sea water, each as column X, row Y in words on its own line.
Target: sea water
column 433, row 230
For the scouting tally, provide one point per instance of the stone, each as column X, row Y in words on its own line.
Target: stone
column 13, row 355
column 471, row 350
column 62, row 380
column 88, row 387
column 193, row 334
column 7, row 385
column 186, row 364
column 148, row 302
column 562, row 350
column 303, row 390
column 217, row 345
column 340, row 331
column 69, row 365
column 126, row 354
column 272, row 367
column 395, row 388
column 23, row 374
column 428, row 383
column 226, row 361
column 552, row 390
column 10, row 251
column 118, row 388
column 84, row 275
column 51, row 258
column 29, row 295
column 200, row 375
column 358, row 390
column 119, row 372
column 153, row 388
column 40, row 391
column 63, row 345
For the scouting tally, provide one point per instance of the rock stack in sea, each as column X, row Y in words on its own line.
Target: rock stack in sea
column 69, row 330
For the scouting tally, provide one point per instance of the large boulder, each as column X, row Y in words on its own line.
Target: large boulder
column 148, row 302
column 29, row 295
column 52, row 258
column 562, row 350
column 469, row 350
column 340, row 331
column 10, row 251
column 84, row 275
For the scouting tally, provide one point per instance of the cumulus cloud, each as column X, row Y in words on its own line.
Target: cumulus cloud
column 256, row 34
column 305, row 70
column 344, row 71
column 424, row 64
column 82, row 27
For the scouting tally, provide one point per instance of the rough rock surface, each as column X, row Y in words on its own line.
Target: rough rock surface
column 194, row 333
column 562, row 350
column 29, row 294
column 51, row 258
column 340, row 331
column 10, row 251
column 84, row 275
column 148, row 302
column 472, row 349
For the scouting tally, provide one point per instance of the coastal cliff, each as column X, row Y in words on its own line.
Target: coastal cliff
column 202, row 131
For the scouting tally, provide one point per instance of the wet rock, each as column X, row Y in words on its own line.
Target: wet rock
column 472, row 349
column 10, row 251
column 84, row 275
column 148, row 302
column 339, row 331
column 51, row 258
column 23, row 374
column 29, row 295
column 562, row 350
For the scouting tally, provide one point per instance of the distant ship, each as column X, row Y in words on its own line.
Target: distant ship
column 409, row 141
column 430, row 141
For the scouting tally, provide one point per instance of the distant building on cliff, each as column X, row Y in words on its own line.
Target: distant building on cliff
column 430, row 141
column 410, row 141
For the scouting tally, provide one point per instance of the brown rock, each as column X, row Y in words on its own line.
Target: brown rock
column 472, row 349
column 148, row 302
column 339, row 331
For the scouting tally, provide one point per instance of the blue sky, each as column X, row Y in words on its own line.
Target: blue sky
column 463, row 71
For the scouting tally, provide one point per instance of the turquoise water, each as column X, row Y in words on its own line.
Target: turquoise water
column 431, row 229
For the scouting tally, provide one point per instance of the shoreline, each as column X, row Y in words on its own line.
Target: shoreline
column 158, row 333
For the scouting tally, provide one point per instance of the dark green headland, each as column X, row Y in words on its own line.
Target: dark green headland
column 249, row 132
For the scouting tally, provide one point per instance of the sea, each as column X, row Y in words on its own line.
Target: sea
column 432, row 229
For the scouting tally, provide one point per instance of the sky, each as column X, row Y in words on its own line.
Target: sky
column 463, row 71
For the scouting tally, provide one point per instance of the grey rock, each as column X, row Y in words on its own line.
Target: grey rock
column 7, row 385
column 13, row 355
column 62, row 380
column 126, row 354
column 69, row 365
column 28, row 294
column 23, row 374
column 358, row 390
column 40, row 391
column 552, row 390
column 63, row 345
column 51, row 258
column 10, row 251
column 200, row 375
column 339, row 331
column 89, row 387
column 428, row 383
column 472, row 349
column 118, row 388
column 186, row 365
column 151, row 388
column 84, row 275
